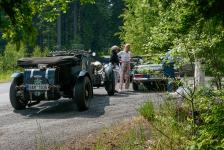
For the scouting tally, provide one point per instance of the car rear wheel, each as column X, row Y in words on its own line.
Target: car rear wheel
column 17, row 99
column 83, row 92
column 135, row 86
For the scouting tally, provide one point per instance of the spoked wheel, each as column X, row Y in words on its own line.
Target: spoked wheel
column 16, row 96
column 83, row 92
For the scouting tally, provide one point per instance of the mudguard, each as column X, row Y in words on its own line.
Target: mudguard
column 83, row 73
column 109, row 73
column 17, row 75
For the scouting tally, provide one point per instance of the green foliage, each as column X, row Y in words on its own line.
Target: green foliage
column 210, row 133
column 11, row 56
column 46, row 52
column 89, row 26
column 37, row 52
column 5, row 76
column 18, row 16
column 169, row 127
column 99, row 23
column 193, row 29
column 173, row 128
column 147, row 111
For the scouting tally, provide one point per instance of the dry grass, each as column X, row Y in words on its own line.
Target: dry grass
column 130, row 134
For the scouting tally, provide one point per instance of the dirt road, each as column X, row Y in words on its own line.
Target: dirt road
column 58, row 121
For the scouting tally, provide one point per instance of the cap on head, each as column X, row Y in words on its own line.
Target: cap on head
column 115, row 48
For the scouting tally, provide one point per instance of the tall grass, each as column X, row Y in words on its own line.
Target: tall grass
column 169, row 130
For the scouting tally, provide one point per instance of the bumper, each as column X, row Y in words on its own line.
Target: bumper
column 145, row 80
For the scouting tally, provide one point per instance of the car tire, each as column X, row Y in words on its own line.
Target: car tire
column 82, row 93
column 110, row 86
column 135, row 86
column 18, row 103
column 111, row 90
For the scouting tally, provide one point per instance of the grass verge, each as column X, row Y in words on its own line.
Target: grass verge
column 5, row 76
column 130, row 134
column 167, row 125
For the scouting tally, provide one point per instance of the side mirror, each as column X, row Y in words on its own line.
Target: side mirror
column 93, row 54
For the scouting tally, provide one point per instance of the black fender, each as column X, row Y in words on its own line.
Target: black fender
column 83, row 74
column 109, row 72
column 17, row 75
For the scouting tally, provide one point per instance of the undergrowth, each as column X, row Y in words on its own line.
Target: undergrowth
column 172, row 125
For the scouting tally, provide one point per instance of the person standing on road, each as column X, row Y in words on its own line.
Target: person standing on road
column 125, row 57
column 114, row 60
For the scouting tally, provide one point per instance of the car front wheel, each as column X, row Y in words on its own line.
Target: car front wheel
column 17, row 99
column 83, row 92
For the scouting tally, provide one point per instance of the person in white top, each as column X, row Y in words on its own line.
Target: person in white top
column 125, row 57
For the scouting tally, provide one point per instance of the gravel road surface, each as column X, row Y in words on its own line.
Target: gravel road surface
column 58, row 121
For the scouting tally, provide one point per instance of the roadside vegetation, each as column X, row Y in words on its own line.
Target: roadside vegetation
column 174, row 126
column 170, row 124
column 8, row 60
column 194, row 31
column 129, row 134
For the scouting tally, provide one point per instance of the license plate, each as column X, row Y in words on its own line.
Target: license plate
column 39, row 87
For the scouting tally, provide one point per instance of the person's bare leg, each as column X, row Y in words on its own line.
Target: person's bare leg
column 121, row 76
column 127, row 78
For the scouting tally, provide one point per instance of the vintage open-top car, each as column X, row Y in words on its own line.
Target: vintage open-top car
column 62, row 74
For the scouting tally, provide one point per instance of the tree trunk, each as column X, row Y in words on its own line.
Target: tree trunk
column 59, row 32
column 199, row 74
column 75, row 25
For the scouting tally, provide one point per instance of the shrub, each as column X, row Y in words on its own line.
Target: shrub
column 210, row 134
column 11, row 55
column 46, row 51
column 37, row 52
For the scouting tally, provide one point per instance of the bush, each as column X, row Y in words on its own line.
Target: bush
column 210, row 134
column 11, row 55
column 46, row 51
column 173, row 128
column 1, row 62
column 37, row 52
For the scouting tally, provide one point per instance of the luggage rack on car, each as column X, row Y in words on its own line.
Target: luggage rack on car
column 71, row 52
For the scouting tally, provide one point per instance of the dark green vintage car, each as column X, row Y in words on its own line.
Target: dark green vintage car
column 62, row 74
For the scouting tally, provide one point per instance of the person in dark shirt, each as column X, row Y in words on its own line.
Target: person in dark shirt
column 114, row 57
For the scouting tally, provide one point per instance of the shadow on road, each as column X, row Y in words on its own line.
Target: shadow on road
column 65, row 108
